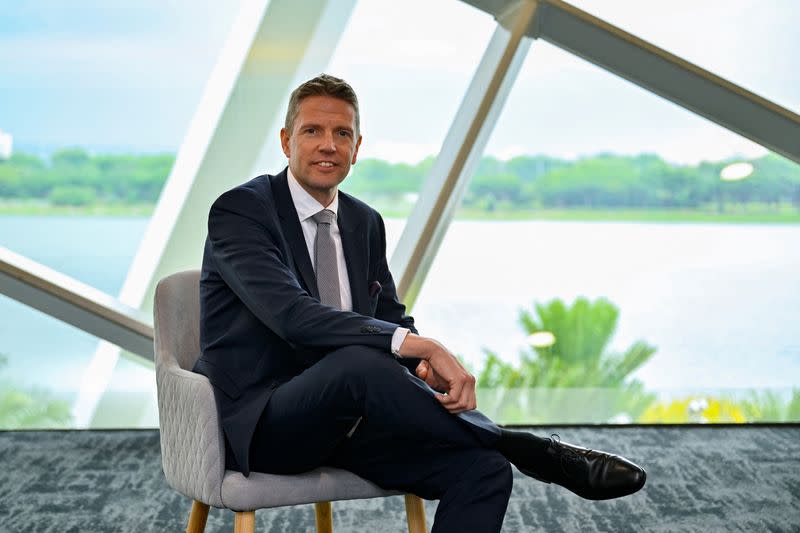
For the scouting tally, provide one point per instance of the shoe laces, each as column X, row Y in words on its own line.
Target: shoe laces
column 569, row 459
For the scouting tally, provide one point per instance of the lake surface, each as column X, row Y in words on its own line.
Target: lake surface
column 720, row 302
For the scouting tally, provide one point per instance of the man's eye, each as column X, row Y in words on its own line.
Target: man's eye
column 311, row 130
column 344, row 133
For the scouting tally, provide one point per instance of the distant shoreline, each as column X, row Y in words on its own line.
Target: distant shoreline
column 733, row 216
column 45, row 209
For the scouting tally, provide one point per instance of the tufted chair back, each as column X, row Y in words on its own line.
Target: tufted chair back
column 192, row 449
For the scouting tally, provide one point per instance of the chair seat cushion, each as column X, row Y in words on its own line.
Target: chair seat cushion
column 260, row 490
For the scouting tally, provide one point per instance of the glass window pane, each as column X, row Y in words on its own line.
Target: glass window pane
column 95, row 103
column 93, row 106
column 410, row 73
column 45, row 377
column 46, row 360
column 592, row 188
column 750, row 43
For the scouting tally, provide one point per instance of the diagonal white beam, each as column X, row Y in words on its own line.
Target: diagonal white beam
column 273, row 45
column 653, row 68
column 75, row 303
column 671, row 77
column 462, row 148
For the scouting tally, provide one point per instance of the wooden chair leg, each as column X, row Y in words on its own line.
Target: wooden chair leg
column 415, row 514
column 324, row 513
column 197, row 518
column 244, row 522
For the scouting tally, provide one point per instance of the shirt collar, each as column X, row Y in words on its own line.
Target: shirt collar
column 306, row 205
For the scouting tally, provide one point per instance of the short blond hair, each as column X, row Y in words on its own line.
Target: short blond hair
column 322, row 85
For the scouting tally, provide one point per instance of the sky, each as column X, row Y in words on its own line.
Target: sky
column 113, row 76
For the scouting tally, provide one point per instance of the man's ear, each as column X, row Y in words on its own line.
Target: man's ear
column 355, row 152
column 285, row 142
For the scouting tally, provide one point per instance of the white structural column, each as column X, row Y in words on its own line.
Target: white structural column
column 462, row 149
column 273, row 46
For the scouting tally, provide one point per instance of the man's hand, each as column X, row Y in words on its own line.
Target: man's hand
column 442, row 371
column 430, row 376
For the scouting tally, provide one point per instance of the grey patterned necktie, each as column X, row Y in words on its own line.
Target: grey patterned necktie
column 325, row 260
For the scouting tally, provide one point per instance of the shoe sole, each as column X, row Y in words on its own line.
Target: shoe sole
column 589, row 497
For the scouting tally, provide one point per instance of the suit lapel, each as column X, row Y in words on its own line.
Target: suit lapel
column 293, row 232
column 355, row 254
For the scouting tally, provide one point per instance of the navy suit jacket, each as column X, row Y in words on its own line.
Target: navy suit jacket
column 261, row 321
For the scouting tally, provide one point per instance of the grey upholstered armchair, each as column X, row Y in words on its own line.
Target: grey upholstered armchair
column 192, row 447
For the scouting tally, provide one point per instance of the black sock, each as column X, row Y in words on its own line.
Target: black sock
column 527, row 452
column 518, row 444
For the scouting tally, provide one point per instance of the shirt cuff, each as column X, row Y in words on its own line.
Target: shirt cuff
column 398, row 337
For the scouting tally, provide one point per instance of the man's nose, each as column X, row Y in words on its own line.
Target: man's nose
column 327, row 143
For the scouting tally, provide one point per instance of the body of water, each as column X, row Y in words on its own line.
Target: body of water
column 720, row 302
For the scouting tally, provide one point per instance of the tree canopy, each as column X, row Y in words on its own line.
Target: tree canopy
column 73, row 176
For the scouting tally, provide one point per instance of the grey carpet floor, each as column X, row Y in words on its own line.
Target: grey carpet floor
column 699, row 479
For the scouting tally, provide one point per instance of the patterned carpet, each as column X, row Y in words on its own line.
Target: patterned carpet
column 699, row 479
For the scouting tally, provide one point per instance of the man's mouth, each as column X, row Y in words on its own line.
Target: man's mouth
column 325, row 164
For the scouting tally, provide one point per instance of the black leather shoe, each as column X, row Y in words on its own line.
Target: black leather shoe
column 590, row 474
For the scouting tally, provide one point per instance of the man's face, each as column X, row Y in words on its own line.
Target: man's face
column 322, row 145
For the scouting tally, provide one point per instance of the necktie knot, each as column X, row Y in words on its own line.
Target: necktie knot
column 325, row 216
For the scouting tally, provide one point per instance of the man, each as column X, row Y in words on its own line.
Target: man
column 312, row 356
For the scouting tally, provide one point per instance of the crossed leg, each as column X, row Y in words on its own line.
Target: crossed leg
column 472, row 484
column 406, row 439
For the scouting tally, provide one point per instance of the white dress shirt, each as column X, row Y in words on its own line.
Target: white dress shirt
column 307, row 206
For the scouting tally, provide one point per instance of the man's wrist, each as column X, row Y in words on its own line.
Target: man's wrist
column 416, row 346
column 398, row 337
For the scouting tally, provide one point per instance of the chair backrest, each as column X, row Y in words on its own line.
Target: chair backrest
column 192, row 446
column 176, row 312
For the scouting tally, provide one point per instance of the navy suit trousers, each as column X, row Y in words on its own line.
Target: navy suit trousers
column 405, row 441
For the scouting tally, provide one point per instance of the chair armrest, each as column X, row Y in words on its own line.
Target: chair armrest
column 192, row 446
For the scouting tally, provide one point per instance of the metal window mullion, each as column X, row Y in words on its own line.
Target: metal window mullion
column 461, row 150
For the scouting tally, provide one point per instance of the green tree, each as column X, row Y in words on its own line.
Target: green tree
column 71, row 158
column 602, row 181
column 374, row 176
column 72, row 195
column 605, row 180
column 503, row 187
column 577, row 358
column 529, row 169
column 30, row 408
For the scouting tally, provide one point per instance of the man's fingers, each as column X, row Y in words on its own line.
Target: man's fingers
column 462, row 397
column 454, row 395
column 444, row 372
column 447, row 402
column 470, row 398
column 456, row 408
column 429, row 376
